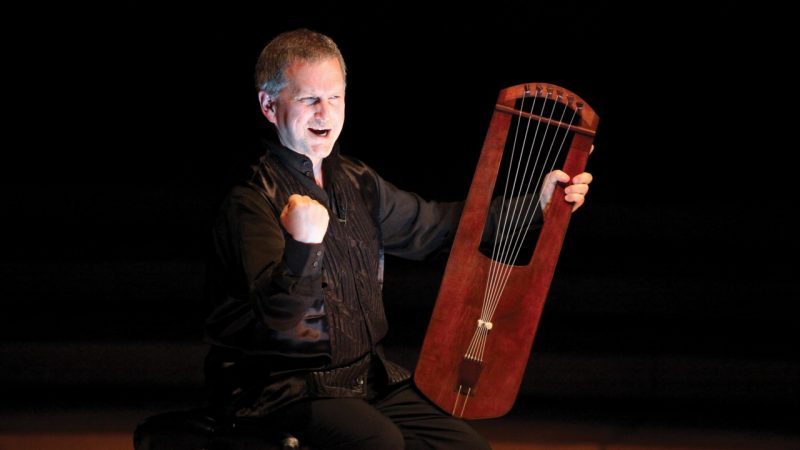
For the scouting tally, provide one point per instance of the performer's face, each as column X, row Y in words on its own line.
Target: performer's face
column 309, row 111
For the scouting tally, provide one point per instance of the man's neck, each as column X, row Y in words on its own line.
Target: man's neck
column 318, row 173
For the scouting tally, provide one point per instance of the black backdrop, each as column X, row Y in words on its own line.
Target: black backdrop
column 125, row 126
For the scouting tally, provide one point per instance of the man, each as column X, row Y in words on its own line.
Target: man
column 298, row 318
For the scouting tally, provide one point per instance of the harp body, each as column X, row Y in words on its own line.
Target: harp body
column 487, row 385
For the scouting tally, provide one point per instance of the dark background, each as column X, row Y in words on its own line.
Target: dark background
column 125, row 126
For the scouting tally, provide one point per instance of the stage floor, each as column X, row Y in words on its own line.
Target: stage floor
column 109, row 427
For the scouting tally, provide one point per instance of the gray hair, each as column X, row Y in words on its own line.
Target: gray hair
column 288, row 47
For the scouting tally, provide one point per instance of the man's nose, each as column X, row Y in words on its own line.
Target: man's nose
column 321, row 111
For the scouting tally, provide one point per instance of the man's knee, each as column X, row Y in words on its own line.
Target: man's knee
column 384, row 438
column 472, row 440
column 449, row 440
column 478, row 443
column 392, row 438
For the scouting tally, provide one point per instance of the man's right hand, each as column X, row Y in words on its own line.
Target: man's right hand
column 305, row 219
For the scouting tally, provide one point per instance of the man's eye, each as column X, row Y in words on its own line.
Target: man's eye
column 309, row 100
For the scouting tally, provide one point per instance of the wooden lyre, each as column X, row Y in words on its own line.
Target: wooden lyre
column 488, row 308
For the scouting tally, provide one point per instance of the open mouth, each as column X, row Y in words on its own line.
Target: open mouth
column 320, row 132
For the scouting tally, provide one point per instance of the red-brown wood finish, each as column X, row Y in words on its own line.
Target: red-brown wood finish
column 458, row 305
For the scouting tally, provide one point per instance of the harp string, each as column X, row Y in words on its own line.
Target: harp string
column 520, row 231
column 490, row 281
column 518, row 209
column 506, row 200
column 478, row 342
column 510, row 232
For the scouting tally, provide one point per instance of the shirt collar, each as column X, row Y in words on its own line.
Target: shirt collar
column 297, row 161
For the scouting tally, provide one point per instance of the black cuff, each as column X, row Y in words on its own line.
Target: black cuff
column 303, row 259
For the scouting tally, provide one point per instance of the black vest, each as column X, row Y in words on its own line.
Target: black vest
column 350, row 317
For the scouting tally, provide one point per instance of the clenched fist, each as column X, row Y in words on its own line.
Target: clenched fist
column 305, row 219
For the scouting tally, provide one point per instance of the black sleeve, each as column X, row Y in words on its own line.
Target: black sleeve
column 514, row 216
column 268, row 276
column 412, row 227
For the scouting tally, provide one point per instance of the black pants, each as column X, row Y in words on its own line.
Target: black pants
column 401, row 419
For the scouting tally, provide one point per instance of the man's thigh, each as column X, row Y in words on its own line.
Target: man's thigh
column 340, row 424
column 425, row 426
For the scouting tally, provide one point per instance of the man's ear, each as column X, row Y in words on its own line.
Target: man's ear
column 267, row 103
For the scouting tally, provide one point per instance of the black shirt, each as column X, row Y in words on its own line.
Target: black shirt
column 295, row 320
